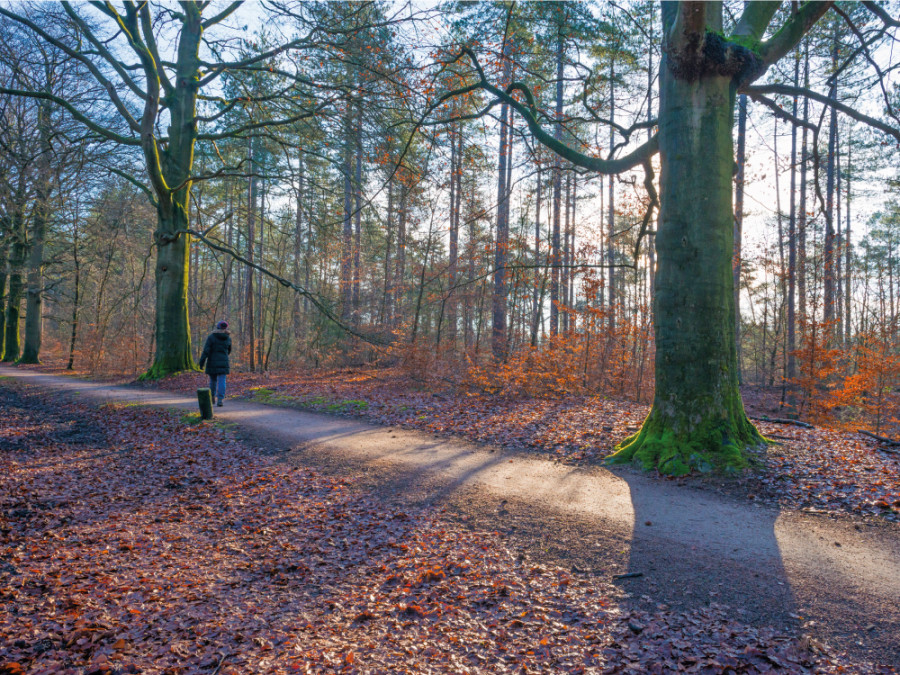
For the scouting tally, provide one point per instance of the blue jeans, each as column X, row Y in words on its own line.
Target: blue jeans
column 217, row 386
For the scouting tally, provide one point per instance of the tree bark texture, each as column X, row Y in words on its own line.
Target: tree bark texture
column 169, row 168
column 697, row 420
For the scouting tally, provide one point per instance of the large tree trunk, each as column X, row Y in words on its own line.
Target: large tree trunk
column 173, row 330
column 697, row 420
column 170, row 171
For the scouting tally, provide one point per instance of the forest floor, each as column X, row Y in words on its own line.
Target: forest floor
column 299, row 542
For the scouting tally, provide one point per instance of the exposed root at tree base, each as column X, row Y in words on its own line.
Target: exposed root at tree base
column 714, row 446
column 160, row 370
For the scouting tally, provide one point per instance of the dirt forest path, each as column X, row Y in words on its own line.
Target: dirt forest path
column 835, row 579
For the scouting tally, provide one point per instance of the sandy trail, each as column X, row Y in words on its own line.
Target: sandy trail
column 838, row 578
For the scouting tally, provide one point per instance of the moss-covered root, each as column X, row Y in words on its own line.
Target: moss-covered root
column 160, row 370
column 717, row 446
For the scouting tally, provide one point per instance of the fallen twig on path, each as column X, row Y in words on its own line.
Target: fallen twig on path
column 881, row 439
column 783, row 420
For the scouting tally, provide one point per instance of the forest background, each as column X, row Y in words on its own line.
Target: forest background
column 344, row 213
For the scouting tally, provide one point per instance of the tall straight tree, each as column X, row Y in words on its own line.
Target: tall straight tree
column 555, row 256
column 740, row 165
column 829, row 253
column 499, row 337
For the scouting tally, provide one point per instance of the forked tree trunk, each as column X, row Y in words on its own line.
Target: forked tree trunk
column 170, row 171
column 697, row 420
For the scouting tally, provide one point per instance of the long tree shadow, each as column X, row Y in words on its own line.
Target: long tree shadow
column 690, row 548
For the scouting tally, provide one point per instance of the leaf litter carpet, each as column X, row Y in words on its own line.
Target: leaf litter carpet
column 134, row 541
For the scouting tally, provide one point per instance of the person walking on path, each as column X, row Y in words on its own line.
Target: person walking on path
column 215, row 357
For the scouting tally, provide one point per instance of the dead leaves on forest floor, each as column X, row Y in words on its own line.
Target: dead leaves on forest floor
column 812, row 469
column 131, row 542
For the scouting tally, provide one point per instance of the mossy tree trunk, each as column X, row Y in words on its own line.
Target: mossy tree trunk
column 170, row 173
column 173, row 330
column 697, row 421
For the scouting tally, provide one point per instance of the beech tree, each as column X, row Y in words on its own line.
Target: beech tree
column 697, row 420
column 156, row 98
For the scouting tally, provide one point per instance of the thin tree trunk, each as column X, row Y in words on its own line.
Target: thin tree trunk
column 571, row 301
column 401, row 255
column 455, row 198
column 347, row 240
column 848, row 252
column 566, row 255
column 34, row 305
column 76, row 304
column 298, row 239
column 499, row 297
column 260, row 282
column 250, row 324
column 738, row 226
column 791, row 346
column 801, row 222
column 557, row 186
column 611, row 207
column 536, row 299
column 385, row 318
column 829, row 261
column 357, row 235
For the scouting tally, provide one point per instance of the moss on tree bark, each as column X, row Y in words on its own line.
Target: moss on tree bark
column 697, row 421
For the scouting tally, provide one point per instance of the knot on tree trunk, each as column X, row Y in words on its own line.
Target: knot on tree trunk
column 712, row 55
column 163, row 238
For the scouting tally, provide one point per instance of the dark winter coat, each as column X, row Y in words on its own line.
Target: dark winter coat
column 215, row 353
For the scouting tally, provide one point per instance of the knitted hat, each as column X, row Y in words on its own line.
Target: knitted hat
column 222, row 325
